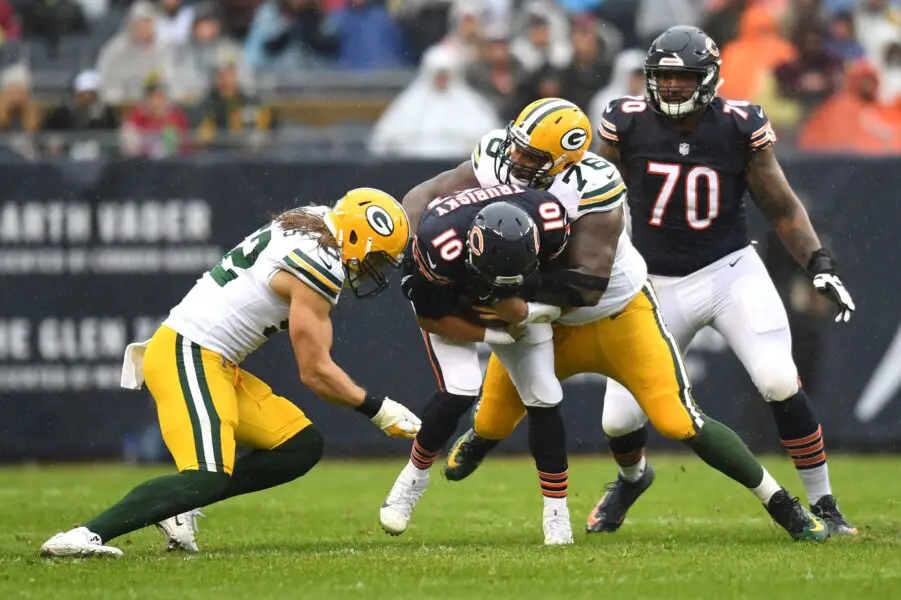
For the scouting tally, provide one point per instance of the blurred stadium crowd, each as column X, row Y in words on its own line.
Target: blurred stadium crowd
column 85, row 79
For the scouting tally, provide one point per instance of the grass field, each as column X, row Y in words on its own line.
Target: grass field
column 694, row 535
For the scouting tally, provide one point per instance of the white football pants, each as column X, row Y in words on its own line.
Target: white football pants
column 735, row 296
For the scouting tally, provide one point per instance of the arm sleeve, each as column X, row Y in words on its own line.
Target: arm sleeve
column 312, row 272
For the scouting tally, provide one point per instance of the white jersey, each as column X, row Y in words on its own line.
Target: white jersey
column 232, row 310
column 592, row 185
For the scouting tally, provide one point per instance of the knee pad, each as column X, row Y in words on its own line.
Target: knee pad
column 776, row 377
column 542, row 393
column 622, row 415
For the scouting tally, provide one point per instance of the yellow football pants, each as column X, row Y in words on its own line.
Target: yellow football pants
column 206, row 404
column 633, row 347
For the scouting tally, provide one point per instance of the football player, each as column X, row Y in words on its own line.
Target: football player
column 688, row 157
column 286, row 275
column 483, row 247
column 616, row 327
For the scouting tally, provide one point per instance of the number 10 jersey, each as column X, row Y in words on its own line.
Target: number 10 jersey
column 233, row 311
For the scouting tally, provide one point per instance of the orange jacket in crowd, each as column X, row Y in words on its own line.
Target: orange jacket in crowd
column 758, row 49
column 853, row 120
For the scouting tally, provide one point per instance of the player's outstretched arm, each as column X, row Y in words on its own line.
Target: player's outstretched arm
column 417, row 199
column 310, row 328
column 781, row 206
column 777, row 201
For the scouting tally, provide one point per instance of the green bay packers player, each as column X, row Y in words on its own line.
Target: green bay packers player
column 286, row 275
column 616, row 328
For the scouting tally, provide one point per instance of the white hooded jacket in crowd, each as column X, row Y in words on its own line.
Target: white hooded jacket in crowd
column 431, row 120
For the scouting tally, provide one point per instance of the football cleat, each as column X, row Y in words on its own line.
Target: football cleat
column 800, row 524
column 466, row 455
column 826, row 509
column 180, row 530
column 398, row 507
column 557, row 527
column 610, row 511
column 80, row 542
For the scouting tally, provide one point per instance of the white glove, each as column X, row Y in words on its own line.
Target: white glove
column 831, row 286
column 396, row 420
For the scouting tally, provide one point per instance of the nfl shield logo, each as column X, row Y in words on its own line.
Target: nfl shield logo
column 684, row 148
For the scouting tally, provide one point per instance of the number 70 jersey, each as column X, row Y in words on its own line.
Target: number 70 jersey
column 233, row 311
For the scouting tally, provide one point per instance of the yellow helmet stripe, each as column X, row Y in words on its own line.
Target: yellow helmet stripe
column 547, row 110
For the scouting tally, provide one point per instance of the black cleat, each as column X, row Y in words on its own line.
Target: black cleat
column 826, row 508
column 610, row 511
column 466, row 455
column 800, row 524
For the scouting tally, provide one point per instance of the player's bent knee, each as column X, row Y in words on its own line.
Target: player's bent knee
column 776, row 377
column 495, row 426
column 619, row 422
column 543, row 394
column 306, row 448
column 674, row 423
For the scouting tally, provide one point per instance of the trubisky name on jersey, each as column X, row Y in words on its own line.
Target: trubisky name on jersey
column 447, row 204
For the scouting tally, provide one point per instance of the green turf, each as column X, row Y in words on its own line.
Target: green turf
column 694, row 535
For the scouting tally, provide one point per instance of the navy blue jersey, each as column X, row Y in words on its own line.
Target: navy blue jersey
column 435, row 277
column 686, row 190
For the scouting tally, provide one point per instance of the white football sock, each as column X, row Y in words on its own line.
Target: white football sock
column 816, row 482
column 634, row 472
column 555, row 502
column 414, row 471
column 767, row 487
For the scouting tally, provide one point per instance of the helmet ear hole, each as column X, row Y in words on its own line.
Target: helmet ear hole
column 352, row 238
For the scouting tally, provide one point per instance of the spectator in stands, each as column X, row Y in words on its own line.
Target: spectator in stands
column 52, row 19
column 656, row 16
column 199, row 59
column 231, row 116
column 843, row 38
column 19, row 112
column 288, row 35
column 173, row 22
column 756, row 52
column 627, row 80
column 497, row 74
column 814, row 74
column 546, row 82
column 589, row 70
column 132, row 55
column 9, row 24
column 877, row 25
column 723, row 20
column 155, row 128
column 367, row 36
column 437, row 116
column 853, row 119
column 890, row 87
column 85, row 112
column 429, row 22
column 536, row 48
column 464, row 34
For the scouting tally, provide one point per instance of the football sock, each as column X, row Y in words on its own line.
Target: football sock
column 547, row 441
column 802, row 438
column 439, row 421
column 158, row 499
column 262, row 469
column 722, row 449
column 767, row 488
column 628, row 452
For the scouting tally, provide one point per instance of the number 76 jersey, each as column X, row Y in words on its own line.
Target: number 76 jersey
column 233, row 311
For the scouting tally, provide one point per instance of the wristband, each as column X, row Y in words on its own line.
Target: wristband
column 821, row 261
column 371, row 406
column 497, row 336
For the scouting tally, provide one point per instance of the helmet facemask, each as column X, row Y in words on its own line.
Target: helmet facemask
column 368, row 277
column 535, row 174
column 679, row 101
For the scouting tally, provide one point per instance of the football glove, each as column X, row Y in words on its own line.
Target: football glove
column 396, row 420
column 827, row 282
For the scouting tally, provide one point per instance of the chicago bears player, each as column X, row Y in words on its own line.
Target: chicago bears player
column 286, row 275
column 615, row 328
column 688, row 157
column 481, row 247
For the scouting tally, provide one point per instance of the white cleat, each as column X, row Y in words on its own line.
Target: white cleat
column 557, row 528
column 180, row 530
column 398, row 507
column 80, row 542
